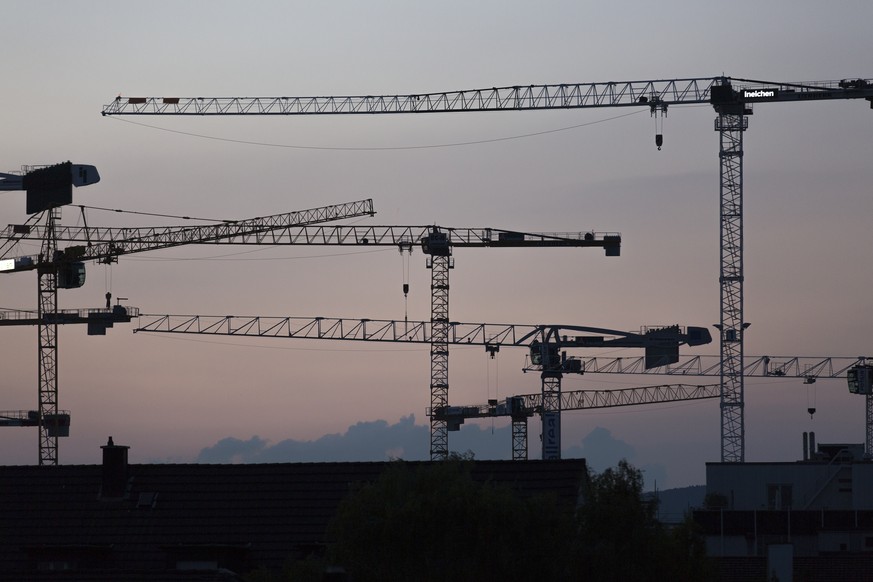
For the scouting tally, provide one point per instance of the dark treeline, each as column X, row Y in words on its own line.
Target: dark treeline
column 434, row 522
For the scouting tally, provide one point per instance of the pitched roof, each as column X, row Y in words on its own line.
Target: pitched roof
column 251, row 515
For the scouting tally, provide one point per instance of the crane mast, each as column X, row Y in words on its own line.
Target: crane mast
column 730, row 125
column 860, row 381
column 47, row 189
column 47, row 283
column 731, row 97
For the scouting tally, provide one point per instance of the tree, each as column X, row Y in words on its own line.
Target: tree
column 432, row 521
column 621, row 539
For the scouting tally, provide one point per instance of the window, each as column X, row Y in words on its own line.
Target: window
column 778, row 496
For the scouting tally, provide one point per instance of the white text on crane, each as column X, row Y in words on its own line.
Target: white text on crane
column 760, row 93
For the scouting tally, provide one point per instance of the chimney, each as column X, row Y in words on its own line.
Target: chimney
column 114, row 481
column 805, row 447
column 812, row 452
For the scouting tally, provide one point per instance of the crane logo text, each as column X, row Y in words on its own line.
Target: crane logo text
column 759, row 93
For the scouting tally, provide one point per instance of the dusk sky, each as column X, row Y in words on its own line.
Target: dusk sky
column 808, row 209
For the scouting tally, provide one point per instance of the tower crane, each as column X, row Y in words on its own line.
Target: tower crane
column 661, row 346
column 520, row 408
column 860, row 380
column 731, row 97
column 65, row 268
column 857, row 372
column 48, row 188
column 436, row 243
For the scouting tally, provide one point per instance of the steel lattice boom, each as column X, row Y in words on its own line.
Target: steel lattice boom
column 225, row 230
column 517, row 97
column 107, row 243
column 346, row 329
column 520, row 408
column 295, row 234
column 806, row 367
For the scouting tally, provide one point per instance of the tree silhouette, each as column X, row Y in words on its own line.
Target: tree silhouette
column 621, row 539
column 434, row 522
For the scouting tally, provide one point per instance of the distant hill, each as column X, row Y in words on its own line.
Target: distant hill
column 674, row 503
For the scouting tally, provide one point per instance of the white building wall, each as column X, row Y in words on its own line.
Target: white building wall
column 862, row 486
column 810, row 485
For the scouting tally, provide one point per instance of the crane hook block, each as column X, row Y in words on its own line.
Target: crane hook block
column 659, row 140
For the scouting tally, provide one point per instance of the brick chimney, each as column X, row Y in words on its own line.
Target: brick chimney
column 115, row 475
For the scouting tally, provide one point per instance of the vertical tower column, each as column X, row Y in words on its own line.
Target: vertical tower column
column 731, row 126
column 48, row 346
column 519, row 438
column 868, row 443
column 549, row 355
column 439, row 264
column 551, row 414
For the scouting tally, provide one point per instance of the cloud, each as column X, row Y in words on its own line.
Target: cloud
column 378, row 440
column 601, row 450
column 232, row 450
column 364, row 441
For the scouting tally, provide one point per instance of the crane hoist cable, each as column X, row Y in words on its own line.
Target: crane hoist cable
column 383, row 148
column 810, row 397
column 659, row 112
column 492, row 352
column 85, row 224
column 405, row 248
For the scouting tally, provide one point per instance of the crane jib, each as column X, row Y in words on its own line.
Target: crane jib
column 655, row 94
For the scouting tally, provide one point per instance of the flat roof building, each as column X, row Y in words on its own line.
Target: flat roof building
column 817, row 511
